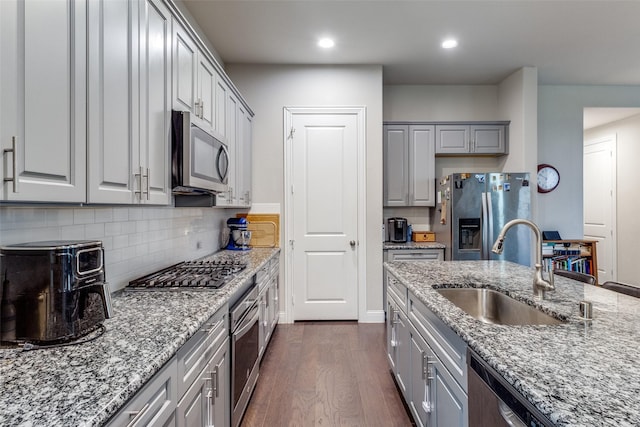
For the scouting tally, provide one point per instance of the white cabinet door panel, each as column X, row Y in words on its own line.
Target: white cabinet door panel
column 155, row 102
column 396, row 165
column 112, row 124
column 422, row 164
column 43, row 86
column 185, row 57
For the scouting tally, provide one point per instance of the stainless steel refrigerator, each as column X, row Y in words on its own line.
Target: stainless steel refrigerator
column 471, row 210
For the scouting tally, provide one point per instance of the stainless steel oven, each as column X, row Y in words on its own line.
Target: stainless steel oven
column 244, row 351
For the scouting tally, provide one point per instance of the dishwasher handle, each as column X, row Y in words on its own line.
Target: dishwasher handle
column 509, row 416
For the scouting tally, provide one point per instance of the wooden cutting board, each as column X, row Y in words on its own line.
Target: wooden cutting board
column 265, row 229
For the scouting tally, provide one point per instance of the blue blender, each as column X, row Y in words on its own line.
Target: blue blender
column 239, row 235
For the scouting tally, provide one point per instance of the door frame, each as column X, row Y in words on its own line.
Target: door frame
column 360, row 113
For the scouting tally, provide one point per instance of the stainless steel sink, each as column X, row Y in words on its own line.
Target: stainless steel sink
column 497, row 308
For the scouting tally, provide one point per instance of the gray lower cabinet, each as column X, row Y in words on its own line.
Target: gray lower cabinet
column 206, row 403
column 192, row 389
column 268, row 303
column 155, row 404
column 428, row 360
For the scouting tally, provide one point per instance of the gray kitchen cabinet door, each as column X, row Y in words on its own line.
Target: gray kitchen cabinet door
column 112, row 101
column 419, row 354
column 398, row 346
column 206, row 90
column 155, row 102
column 449, row 403
column 409, row 165
column 396, row 165
column 452, row 139
column 244, row 159
column 488, row 139
column 221, row 94
column 206, row 402
column 43, row 103
column 422, row 165
column 185, row 64
column 471, row 139
column 229, row 197
column 221, row 394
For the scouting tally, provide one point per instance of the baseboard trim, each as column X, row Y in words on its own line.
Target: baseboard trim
column 373, row 316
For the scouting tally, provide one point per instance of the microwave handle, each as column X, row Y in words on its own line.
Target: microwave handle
column 226, row 155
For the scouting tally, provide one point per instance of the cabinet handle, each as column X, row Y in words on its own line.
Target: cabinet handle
column 12, row 150
column 201, row 104
column 138, row 414
column 139, row 175
column 148, row 182
column 216, row 387
column 424, row 365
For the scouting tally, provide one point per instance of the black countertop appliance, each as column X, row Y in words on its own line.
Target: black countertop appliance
column 397, row 230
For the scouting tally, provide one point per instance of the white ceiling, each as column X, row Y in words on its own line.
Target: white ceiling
column 569, row 41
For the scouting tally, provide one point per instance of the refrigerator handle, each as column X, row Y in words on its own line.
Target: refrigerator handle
column 490, row 234
column 485, row 227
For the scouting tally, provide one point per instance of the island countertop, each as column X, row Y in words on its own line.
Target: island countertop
column 84, row 385
column 578, row 373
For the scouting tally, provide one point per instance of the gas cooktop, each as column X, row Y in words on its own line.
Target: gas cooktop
column 201, row 274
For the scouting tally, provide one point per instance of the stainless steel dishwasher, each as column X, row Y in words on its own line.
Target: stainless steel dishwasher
column 493, row 402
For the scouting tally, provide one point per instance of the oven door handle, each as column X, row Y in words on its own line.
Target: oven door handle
column 247, row 322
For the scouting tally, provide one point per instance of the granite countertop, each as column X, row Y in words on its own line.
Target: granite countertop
column 85, row 385
column 579, row 373
column 412, row 245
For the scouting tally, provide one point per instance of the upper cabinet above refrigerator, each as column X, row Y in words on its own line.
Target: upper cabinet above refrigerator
column 472, row 139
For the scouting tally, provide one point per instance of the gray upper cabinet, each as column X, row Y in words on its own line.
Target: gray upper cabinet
column 43, row 103
column 129, row 102
column 112, row 124
column 469, row 139
column 409, row 165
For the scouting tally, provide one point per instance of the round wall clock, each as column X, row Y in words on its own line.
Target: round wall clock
column 548, row 178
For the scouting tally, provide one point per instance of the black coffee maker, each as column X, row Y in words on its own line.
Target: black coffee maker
column 397, row 230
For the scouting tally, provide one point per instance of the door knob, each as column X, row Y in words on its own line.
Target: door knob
column 353, row 243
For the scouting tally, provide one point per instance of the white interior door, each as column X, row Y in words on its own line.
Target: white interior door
column 599, row 187
column 324, row 215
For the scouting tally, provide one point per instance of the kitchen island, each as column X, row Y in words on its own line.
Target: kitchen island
column 84, row 385
column 578, row 373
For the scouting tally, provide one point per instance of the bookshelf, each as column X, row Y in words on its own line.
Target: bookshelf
column 572, row 255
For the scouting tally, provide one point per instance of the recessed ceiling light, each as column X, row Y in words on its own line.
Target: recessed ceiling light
column 449, row 43
column 326, row 43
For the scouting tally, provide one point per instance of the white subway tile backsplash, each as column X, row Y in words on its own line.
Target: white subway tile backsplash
column 72, row 232
column 83, row 216
column 104, row 215
column 137, row 240
column 94, row 231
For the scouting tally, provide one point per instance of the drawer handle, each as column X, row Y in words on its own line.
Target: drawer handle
column 138, row 414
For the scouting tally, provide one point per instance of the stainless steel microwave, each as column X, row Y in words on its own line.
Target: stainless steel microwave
column 199, row 161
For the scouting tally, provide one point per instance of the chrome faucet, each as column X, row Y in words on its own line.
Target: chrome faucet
column 539, row 284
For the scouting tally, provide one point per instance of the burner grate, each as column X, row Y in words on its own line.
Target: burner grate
column 211, row 274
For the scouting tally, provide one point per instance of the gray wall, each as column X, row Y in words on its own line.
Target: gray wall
column 270, row 88
column 560, row 140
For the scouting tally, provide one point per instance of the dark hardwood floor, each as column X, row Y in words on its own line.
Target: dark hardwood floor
column 326, row 374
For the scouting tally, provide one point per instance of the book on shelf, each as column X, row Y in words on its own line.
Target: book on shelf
column 568, row 263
